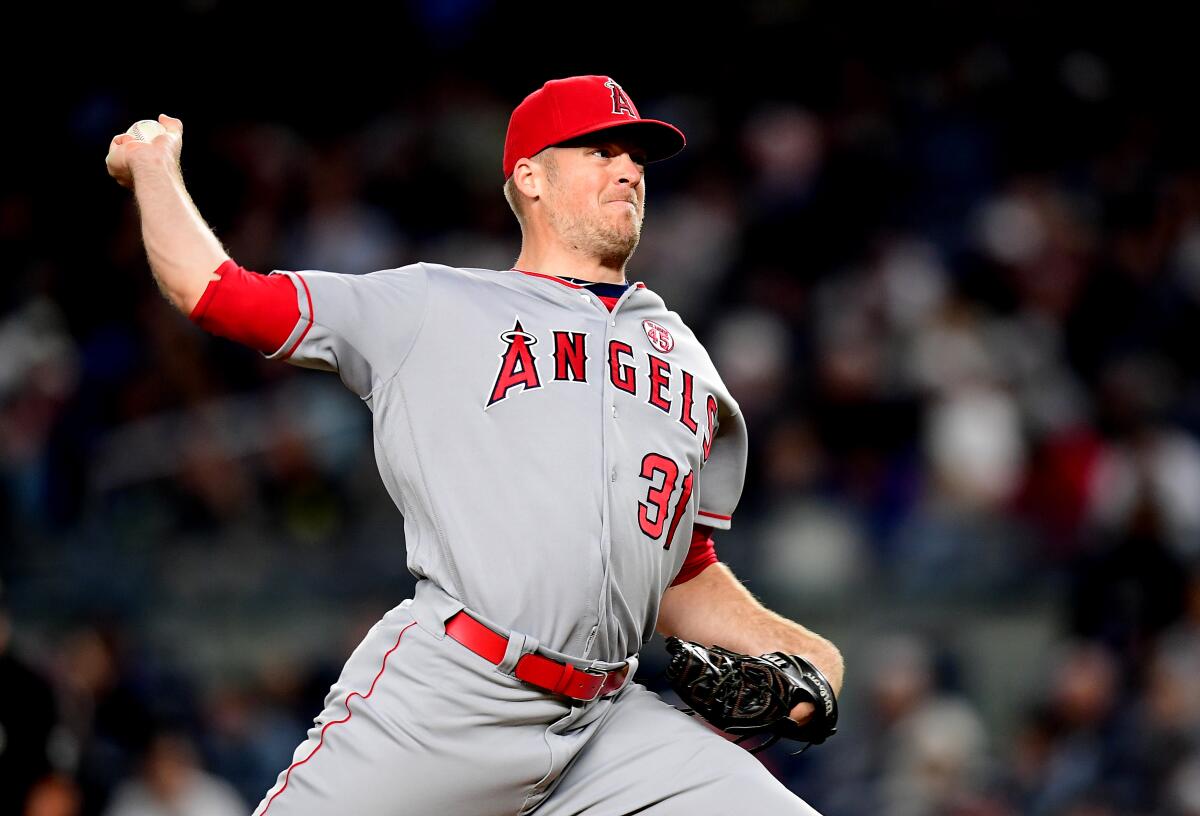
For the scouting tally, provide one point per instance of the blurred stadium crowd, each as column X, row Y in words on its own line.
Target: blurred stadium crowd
column 956, row 294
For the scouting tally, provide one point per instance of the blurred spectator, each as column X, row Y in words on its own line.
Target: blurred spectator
column 107, row 715
column 1168, row 723
column 926, row 750
column 784, row 146
column 1077, row 745
column 751, row 350
column 341, row 233
column 811, row 550
column 39, row 371
column 28, row 715
column 1157, row 471
column 937, row 762
column 170, row 782
column 1183, row 792
column 54, row 795
column 1130, row 584
column 1183, row 637
column 975, row 447
column 253, row 733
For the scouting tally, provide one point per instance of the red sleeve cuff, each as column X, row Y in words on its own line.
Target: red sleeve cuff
column 256, row 310
column 701, row 555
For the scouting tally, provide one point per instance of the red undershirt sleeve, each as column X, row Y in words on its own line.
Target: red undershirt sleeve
column 701, row 555
column 256, row 310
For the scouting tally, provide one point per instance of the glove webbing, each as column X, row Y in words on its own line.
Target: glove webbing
column 744, row 695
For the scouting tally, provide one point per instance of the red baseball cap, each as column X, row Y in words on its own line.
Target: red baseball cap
column 563, row 109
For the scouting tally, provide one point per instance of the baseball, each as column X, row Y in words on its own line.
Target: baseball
column 146, row 130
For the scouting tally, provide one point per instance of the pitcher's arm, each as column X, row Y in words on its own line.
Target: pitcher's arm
column 183, row 252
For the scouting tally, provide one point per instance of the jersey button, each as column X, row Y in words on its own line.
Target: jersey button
column 614, row 412
column 614, row 474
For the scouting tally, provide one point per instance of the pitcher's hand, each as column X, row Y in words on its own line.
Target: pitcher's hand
column 126, row 155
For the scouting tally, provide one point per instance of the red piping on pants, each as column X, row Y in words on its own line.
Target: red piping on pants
column 288, row 775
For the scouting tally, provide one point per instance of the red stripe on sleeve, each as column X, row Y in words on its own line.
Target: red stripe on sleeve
column 256, row 310
column 701, row 555
column 311, row 318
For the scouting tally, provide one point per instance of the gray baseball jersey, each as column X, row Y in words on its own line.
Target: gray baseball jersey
column 549, row 456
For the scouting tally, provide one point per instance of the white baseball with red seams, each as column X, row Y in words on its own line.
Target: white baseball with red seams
column 146, row 130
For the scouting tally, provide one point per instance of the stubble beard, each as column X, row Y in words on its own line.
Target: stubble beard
column 611, row 244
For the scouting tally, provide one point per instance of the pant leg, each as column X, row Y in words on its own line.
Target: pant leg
column 418, row 724
column 645, row 757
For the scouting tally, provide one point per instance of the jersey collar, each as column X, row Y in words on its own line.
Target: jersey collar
column 567, row 283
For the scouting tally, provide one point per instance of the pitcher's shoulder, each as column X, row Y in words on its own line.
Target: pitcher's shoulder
column 460, row 276
column 674, row 323
column 688, row 348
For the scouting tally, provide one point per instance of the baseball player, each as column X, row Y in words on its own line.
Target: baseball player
column 561, row 447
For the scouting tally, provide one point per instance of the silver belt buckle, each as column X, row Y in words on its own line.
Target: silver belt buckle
column 603, row 675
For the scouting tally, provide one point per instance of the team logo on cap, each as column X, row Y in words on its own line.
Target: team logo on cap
column 659, row 337
column 621, row 103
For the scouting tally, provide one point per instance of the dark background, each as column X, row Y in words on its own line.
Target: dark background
column 946, row 256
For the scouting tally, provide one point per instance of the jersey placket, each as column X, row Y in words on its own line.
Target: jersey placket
column 611, row 417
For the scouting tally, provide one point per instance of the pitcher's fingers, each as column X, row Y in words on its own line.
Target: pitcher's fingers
column 170, row 123
column 122, row 174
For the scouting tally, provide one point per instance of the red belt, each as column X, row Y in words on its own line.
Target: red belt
column 535, row 669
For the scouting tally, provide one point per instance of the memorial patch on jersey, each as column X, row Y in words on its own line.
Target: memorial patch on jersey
column 659, row 337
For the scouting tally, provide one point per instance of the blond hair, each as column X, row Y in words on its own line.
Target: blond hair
column 514, row 198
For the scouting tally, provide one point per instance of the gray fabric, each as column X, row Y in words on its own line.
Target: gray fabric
column 418, row 724
column 536, row 507
column 646, row 757
column 527, row 509
column 360, row 326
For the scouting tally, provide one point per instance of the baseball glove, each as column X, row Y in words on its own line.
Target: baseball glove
column 748, row 696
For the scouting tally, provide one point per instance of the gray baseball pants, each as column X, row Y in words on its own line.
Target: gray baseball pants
column 418, row 724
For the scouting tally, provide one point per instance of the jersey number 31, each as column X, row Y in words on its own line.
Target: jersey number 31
column 658, row 498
